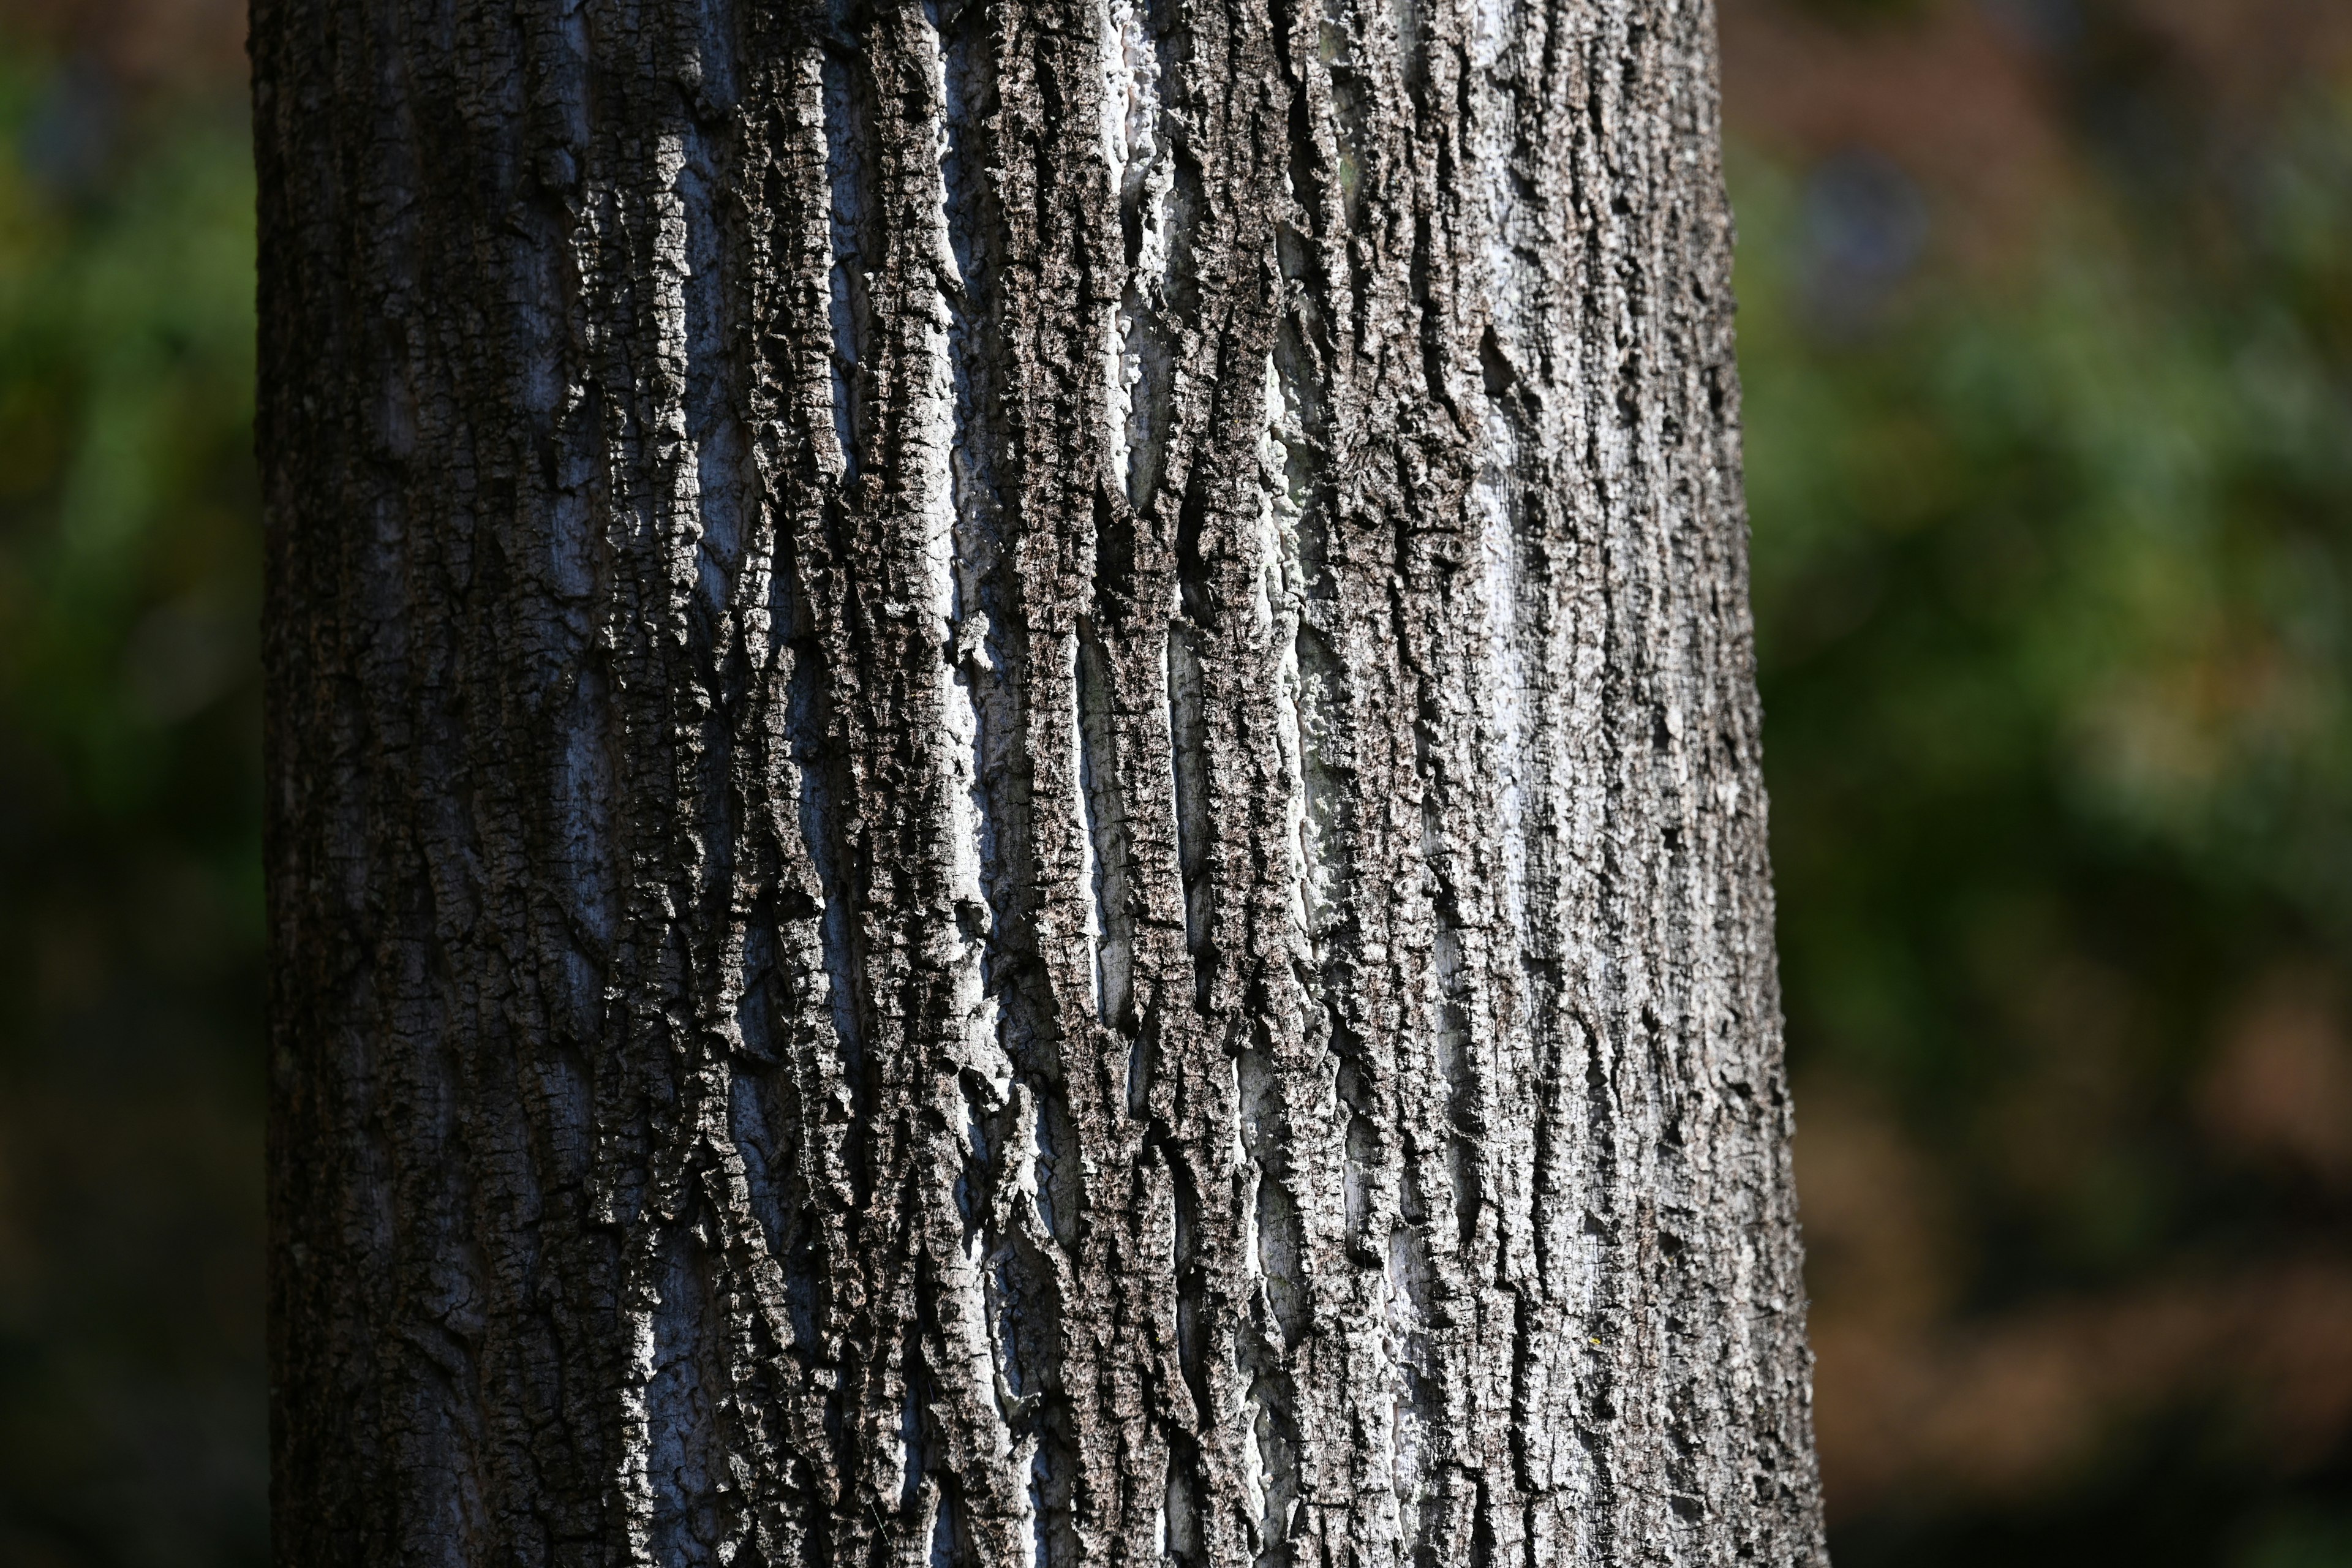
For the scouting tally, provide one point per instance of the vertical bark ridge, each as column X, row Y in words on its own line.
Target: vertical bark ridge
column 1014, row 800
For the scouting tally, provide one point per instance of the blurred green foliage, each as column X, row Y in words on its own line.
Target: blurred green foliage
column 132, row 1424
column 2052, row 567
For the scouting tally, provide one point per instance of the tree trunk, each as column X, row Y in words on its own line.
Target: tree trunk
column 1014, row 811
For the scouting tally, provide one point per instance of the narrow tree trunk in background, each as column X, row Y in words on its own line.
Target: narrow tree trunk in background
column 1014, row 790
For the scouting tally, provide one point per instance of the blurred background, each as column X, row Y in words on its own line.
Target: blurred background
column 2047, row 337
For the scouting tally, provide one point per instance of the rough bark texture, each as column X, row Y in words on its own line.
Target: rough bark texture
column 1014, row 799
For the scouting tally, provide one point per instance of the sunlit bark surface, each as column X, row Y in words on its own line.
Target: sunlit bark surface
column 1015, row 808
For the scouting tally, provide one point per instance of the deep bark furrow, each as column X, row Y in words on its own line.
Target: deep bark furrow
column 1014, row 799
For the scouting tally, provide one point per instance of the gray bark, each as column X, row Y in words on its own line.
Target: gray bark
column 1014, row 811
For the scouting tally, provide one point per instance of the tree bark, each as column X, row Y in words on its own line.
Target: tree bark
column 1014, row 811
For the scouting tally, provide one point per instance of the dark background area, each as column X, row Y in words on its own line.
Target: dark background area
column 2047, row 336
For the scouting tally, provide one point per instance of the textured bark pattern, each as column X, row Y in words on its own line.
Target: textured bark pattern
column 1014, row 798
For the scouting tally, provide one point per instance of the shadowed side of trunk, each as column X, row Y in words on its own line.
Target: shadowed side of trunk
column 1014, row 807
